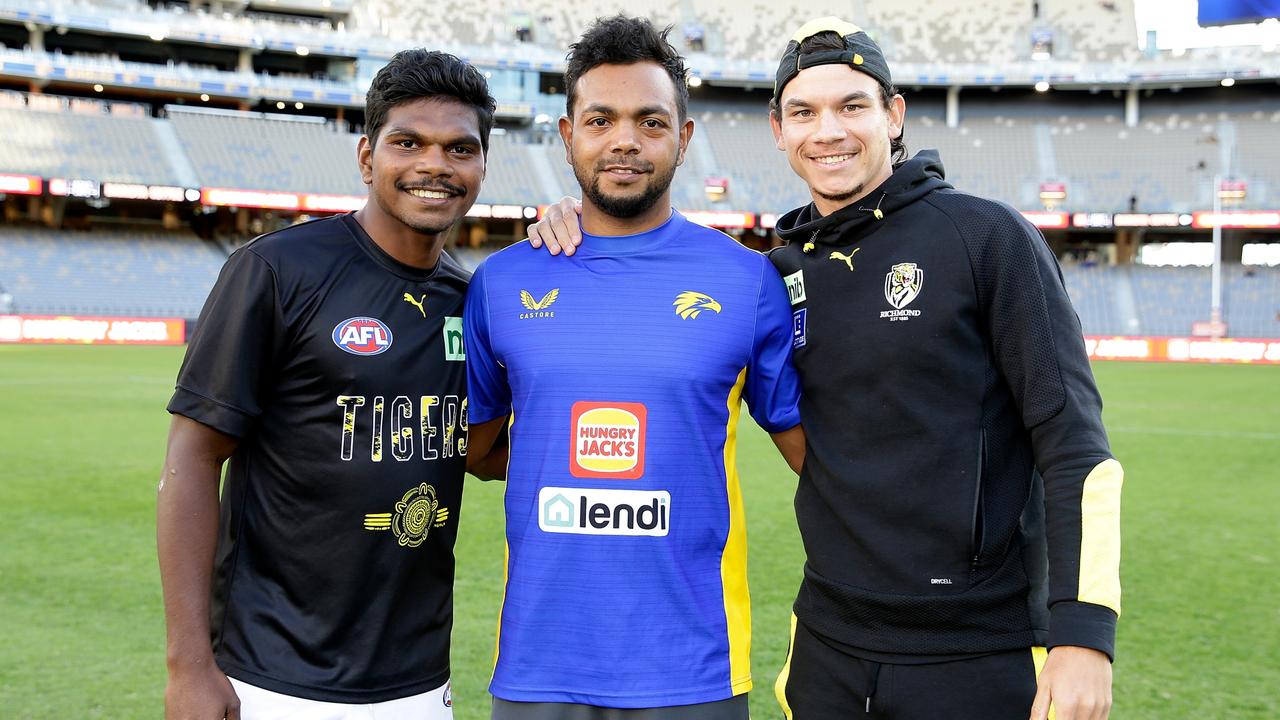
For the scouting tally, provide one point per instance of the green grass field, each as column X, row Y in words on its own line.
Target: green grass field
column 82, row 432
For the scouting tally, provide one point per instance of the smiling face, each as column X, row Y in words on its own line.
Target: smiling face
column 625, row 140
column 836, row 131
column 424, row 167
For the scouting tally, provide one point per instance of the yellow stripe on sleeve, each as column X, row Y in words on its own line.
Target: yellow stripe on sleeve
column 1100, row 536
column 733, row 563
column 780, row 687
column 1038, row 655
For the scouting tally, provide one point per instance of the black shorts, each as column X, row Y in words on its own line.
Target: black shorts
column 821, row 680
column 734, row 708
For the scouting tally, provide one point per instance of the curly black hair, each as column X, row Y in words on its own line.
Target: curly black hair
column 419, row 73
column 622, row 40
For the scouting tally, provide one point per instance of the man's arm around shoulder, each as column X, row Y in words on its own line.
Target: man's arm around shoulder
column 790, row 443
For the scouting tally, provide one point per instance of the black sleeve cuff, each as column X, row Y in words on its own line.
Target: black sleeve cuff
column 1083, row 625
column 207, row 411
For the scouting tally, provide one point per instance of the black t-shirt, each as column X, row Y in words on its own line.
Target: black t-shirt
column 341, row 371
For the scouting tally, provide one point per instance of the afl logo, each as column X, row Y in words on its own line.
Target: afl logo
column 362, row 336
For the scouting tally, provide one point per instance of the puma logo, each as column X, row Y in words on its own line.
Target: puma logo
column 848, row 259
column 416, row 303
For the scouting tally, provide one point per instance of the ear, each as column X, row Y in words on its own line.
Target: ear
column 566, row 137
column 897, row 116
column 686, row 134
column 775, row 124
column 364, row 156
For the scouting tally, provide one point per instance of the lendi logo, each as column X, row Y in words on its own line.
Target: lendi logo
column 586, row 511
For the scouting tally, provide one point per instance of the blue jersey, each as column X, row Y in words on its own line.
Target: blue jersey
column 623, row 368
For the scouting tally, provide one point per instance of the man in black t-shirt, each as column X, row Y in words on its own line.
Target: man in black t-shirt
column 327, row 366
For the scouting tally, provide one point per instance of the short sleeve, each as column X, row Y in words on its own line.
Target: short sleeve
column 772, row 390
column 234, row 352
column 488, row 392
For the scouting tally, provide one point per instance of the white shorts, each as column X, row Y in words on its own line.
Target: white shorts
column 259, row 704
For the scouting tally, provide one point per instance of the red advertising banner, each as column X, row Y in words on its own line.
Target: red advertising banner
column 80, row 330
column 1262, row 351
column 1048, row 219
column 21, row 184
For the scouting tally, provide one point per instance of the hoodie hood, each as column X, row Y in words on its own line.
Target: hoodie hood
column 911, row 181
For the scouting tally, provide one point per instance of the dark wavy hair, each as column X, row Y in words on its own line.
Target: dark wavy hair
column 829, row 40
column 419, row 73
column 622, row 40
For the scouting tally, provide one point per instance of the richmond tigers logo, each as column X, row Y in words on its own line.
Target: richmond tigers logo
column 902, row 284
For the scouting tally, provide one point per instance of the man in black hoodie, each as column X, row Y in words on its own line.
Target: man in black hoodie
column 959, row 504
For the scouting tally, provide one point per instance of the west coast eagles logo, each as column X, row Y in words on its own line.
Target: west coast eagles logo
column 538, row 308
column 416, row 513
column 902, row 284
column 690, row 304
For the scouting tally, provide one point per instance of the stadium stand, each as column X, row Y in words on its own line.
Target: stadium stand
column 267, row 152
column 741, row 144
column 912, row 31
column 1252, row 301
column 1092, row 291
column 1092, row 30
column 58, row 137
column 1166, row 163
column 1167, row 301
column 999, row 150
column 1170, row 299
column 142, row 273
column 1257, row 153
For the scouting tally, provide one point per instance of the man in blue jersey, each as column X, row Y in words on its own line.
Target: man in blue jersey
column 626, row 590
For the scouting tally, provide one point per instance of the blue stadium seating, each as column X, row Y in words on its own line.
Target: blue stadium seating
column 147, row 273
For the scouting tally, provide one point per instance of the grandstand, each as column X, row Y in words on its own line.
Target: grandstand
column 267, row 152
column 131, row 273
column 58, row 137
column 193, row 97
column 1165, row 164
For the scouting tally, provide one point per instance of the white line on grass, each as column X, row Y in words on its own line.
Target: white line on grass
column 1235, row 434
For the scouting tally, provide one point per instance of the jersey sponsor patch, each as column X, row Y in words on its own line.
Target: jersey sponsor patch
column 795, row 287
column 608, row 440
column 453, row 347
column 362, row 336
column 589, row 511
column 799, row 319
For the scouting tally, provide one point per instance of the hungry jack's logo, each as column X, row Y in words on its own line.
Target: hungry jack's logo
column 608, row 440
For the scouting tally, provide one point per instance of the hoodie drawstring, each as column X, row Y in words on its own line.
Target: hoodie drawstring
column 876, row 211
column 808, row 247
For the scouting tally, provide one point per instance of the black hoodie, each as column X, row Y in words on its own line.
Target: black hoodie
column 944, row 375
